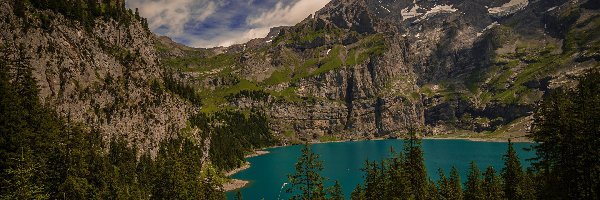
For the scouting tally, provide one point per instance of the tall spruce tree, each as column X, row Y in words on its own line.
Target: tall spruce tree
column 444, row 190
column 306, row 180
column 456, row 191
column 491, row 185
column 358, row 193
column 512, row 174
column 374, row 185
column 336, row 192
column 397, row 183
column 473, row 188
column 414, row 166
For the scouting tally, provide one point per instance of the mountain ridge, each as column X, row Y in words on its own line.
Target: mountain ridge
column 392, row 72
column 353, row 70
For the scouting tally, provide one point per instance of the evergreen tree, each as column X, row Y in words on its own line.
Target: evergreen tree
column 512, row 174
column 336, row 192
column 92, row 6
column 566, row 132
column 19, row 8
column 21, row 184
column 397, row 179
column 444, row 188
column 374, row 186
column 432, row 191
column 305, row 182
column 491, row 185
column 357, row 193
column 414, row 166
column 529, row 188
column 26, row 84
column 456, row 191
column 473, row 187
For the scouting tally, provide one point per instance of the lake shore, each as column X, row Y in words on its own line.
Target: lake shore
column 235, row 184
column 481, row 139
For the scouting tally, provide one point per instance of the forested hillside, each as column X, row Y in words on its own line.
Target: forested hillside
column 89, row 113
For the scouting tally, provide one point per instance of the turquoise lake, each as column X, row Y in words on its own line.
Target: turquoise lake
column 343, row 161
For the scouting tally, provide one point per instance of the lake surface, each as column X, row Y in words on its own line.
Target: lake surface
column 343, row 161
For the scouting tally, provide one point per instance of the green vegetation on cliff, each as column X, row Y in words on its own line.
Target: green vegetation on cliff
column 44, row 157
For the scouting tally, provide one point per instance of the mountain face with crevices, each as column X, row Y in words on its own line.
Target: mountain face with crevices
column 95, row 73
column 355, row 69
column 377, row 68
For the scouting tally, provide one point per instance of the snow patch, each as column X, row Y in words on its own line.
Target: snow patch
column 328, row 50
column 490, row 26
column 269, row 41
column 441, row 9
column 551, row 9
column 487, row 28
column 509, row 7
column 386, row 9
column 410, row 13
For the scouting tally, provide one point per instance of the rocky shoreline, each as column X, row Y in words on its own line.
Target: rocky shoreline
column 235, row 184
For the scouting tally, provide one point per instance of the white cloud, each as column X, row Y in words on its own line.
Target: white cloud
column 172, row 15
column 182, row 19
column 229, row 38
column 288, row 15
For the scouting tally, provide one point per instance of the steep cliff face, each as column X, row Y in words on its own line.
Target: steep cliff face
column 361, row 68
column 100, row 77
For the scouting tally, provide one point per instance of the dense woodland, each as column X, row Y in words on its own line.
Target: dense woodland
column 567, row 165
column 44, row 157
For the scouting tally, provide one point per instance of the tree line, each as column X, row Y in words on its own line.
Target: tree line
column 233, row 134
column 567, row 165
column 46, row 157
column 83, row 11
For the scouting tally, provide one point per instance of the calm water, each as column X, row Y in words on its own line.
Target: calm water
column 342, row 162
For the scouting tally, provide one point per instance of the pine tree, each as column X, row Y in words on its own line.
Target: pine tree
column 374, row 186
column 491, row 185
column 336, row 192
column 304, row 183
column 414, row 166
column 473, row 185
column 26, row 84
column 21, row 183
column 357, row 193
column 473, row 188
column 566, row 134
column 92, row 6
column 444, row 190
column 456, row 191
column 397, row 183
column 512, row 174
column 19, row 8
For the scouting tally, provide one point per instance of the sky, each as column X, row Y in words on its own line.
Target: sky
column 211, row 23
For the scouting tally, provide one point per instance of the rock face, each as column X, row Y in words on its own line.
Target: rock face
column 100, row 78
column 366, row 68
